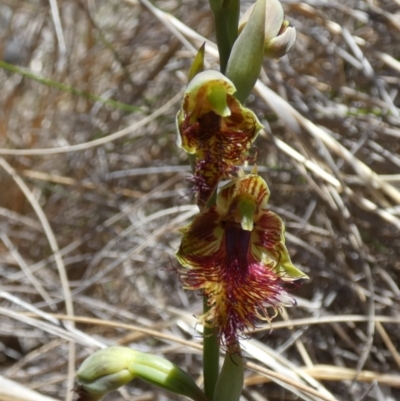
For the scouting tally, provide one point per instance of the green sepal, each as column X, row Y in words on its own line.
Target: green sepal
column 198, row 63
column 163, row 373
column 231, row 378
column 285, row 266
column 246, row 58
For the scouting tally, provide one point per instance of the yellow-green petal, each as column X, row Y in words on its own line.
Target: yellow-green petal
column 206, row 92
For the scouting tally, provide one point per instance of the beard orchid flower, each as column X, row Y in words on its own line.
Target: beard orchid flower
column 215, row 128
column 235, row 254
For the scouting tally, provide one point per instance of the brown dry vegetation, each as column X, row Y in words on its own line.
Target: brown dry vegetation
column 89, row 215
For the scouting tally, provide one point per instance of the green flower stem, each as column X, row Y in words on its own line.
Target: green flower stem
column 210, row 340
column 210, row 343
column 66, row 88
column 210, row 357
column 224, row 47
column 226, row 17
column 233, row 13
column 231, row 379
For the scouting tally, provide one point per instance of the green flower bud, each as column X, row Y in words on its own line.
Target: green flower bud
column 111, row 368
column 226, row 17
column 106, row 370
column 279, row 37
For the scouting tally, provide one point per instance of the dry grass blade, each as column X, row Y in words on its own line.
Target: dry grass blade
column 285, row 368
column 97, row 142
column 59, row 262
column 335, row 373
column 11, row 390
column 25, row 268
